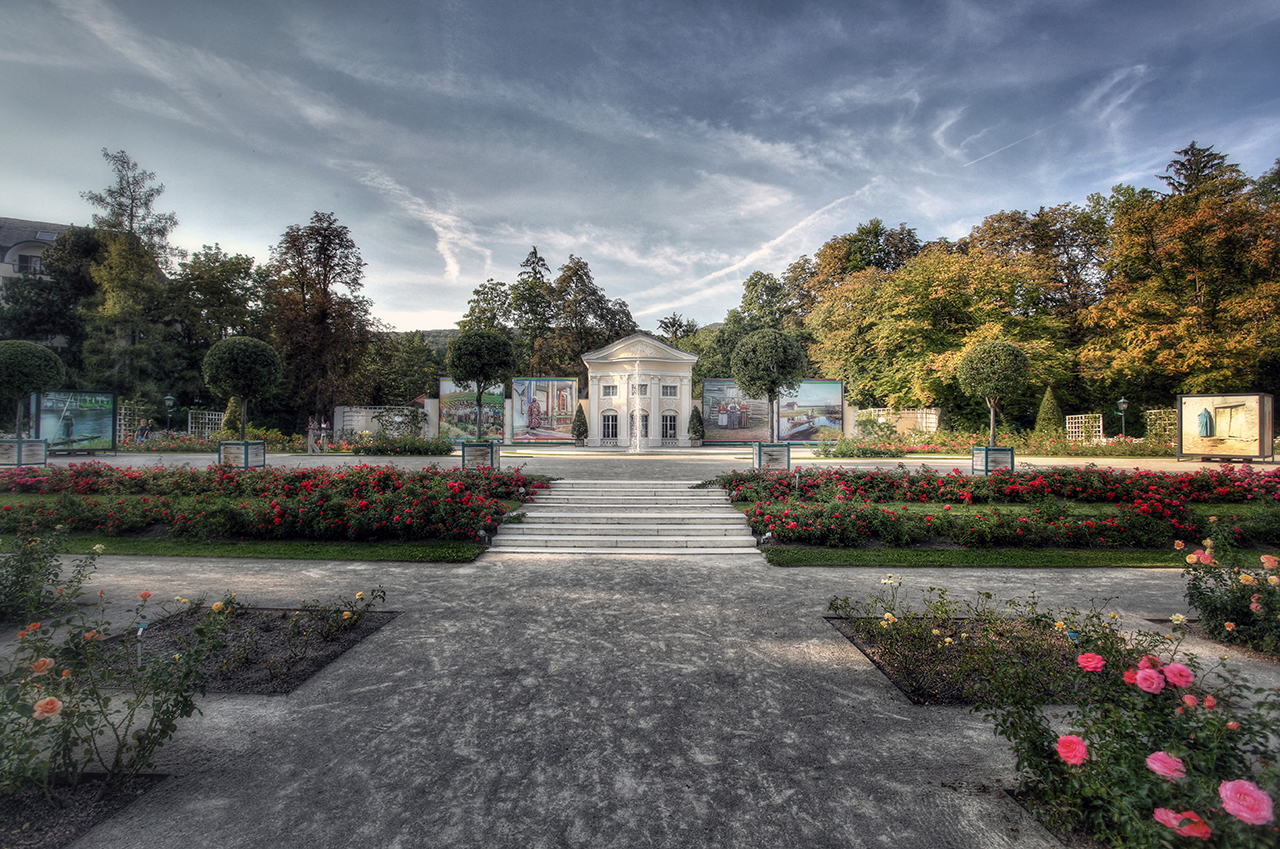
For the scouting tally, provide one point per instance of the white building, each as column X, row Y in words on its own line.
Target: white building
column 640, row 393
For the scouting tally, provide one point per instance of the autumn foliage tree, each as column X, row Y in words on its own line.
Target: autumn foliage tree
column 319, row 322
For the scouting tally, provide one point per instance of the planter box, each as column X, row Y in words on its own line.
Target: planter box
column 773, row 455
column 250, row 454
column 478, row 454
column 24, row 452
column 987, row 460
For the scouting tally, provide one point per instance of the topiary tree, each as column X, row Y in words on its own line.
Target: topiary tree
column 26, row 367
column 579, row 426
column 766, row 362
column 697, row 430
column 484, row 358
column 992, row 370
column 1050, row 419
column 240, row 365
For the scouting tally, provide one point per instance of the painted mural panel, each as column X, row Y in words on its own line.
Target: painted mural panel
column 813, row 413
column 78, row 421
column 1237, row 425
column 730, row 416
column 542, row 408
column 458, row 412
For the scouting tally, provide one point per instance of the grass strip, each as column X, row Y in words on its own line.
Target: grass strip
column 1001, row 558
column 408, row 552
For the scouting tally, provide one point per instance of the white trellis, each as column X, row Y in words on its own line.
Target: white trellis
column 1162, row 424
column 202, row 424
column 128, row 417
column 1086, row 427
column 925, row 419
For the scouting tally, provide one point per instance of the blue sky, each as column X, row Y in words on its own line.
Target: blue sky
column 676, row 146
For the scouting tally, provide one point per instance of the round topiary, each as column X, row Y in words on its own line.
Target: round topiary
column 242, row 366
column 992, row 370
column 26, row 367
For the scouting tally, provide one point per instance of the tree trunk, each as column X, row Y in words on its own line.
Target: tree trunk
column 991, row 438
column 244, row 416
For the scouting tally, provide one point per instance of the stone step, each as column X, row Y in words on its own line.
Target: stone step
column 614, row 517
column 633, row 516
column 524, row 529
column 504, row 543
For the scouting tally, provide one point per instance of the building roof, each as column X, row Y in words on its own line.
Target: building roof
column 15, row 231
column 638, row 346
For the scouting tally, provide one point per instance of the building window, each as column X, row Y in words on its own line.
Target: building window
column 671, row 392
column 608, row 390
column 609, row 425
column 644, row 425
column 643, row 389
column 28, row 264
column 668, row 425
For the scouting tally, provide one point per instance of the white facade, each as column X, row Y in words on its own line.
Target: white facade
column 640, row 393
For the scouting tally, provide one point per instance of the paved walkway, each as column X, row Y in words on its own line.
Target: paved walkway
column 585, row 701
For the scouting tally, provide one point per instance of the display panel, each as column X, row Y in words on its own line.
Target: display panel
column 458, row 412
column 730, row 416
column 542, row 409
column 78, row 421
column 1235, row 425
column 813, row 413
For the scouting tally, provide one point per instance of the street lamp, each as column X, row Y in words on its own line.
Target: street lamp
column 1123, row 405
column 169, row 401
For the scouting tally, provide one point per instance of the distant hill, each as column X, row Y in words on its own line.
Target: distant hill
column 438, row 339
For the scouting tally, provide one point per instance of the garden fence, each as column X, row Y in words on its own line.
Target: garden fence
column 925, row 419
column 128, row 417
column 203, row 424
column 1162, row 424
column 1085, row 428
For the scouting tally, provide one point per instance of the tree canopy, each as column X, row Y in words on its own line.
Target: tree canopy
column 244, row 367
column 481, row 358
column 992, row 370
column 766, row 362
column 26, row 367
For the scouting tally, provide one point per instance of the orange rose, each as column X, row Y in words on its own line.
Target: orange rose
column 144, row 595
column 41, row 666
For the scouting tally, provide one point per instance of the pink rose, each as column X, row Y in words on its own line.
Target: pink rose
column 46, row 708
column 1131, row 676
column 1166, row 765
column 1246, row 801
column 1091, row 662
column 1195, row 828
column 1150, row 680
column 1190, row 700
column 1072, row 749
column 41, row 666
column 1210, row 702
column 1179, row 675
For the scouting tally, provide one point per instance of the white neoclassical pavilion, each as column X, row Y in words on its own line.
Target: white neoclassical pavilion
column 640, row 393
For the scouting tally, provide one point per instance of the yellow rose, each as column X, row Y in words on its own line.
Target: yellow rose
column 217, row 607
column 359, row 595
column 346, row 614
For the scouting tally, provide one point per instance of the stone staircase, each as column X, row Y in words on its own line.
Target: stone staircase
column 627, row 517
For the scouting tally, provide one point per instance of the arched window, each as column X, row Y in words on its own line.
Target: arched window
column 609, row 425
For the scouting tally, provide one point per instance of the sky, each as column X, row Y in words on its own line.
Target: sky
column 676, row 146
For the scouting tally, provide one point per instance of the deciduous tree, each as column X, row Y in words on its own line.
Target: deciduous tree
column 319, row 322
column 481, row 358
column 765, row 363
column 992, row 371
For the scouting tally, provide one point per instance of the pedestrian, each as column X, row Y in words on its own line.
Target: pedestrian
column 312, row 431
column 324, row 434
column 144, row 430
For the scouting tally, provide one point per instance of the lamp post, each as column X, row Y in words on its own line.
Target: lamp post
column 169, row 401
column 1123, row 405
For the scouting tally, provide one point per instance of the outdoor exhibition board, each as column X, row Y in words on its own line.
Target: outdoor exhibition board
column 542, row 408
column 730, row 416
column 814, row 412
column 1232, row 426
column 458, row 411
column 76, row 421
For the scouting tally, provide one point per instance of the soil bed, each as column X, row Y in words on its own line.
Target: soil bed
column 260, row 658
column 956, row 673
